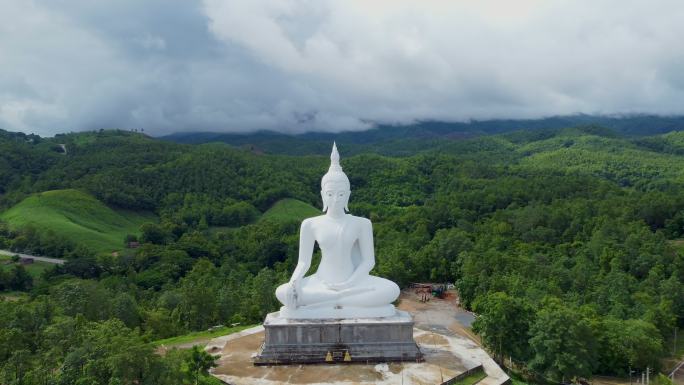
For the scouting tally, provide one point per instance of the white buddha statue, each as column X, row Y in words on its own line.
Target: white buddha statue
column 342, row 286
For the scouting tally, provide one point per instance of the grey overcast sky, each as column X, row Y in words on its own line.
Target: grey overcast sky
column 329, row 65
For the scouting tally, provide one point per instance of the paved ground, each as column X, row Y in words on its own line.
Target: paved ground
column 446, row 317
column 449, row 350
column 36, row 258
column 440, row 315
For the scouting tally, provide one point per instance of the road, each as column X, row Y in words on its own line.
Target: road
column 35, row 258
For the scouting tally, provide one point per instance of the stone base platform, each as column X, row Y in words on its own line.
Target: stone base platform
column 445, row 358
column 360, row 340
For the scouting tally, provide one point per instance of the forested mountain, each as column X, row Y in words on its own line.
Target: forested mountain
column 409, row 139
column 564, row 241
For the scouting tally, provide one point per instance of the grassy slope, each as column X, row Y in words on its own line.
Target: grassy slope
column 77, row 216
column 200, row 337
column 290, row 210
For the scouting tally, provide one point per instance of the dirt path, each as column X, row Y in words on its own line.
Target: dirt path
column 56, row 261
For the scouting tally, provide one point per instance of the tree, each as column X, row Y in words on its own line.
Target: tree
column 20, row 279
column 160, row 324
column 10, row 339
column 263, row 293
column 198, row 296
column 4, row 280
column 628, row 343
column 562, row 342
column 125, row 308
column 436, row 258
column 503, row 323
column 82, row 264
column 199, row 362
column 85, row 297
column 152, row 233
column 16, row 367
column 237, row 214
column 109, row 353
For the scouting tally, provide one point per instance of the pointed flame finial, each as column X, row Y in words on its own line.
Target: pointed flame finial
column 335, row 159
column 335, row 174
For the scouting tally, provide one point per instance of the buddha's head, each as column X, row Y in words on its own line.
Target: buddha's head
column 335, row 188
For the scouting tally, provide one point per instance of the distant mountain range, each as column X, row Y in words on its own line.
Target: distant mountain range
column 404, row 139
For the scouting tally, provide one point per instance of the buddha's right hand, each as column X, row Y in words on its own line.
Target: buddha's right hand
column 293, row 292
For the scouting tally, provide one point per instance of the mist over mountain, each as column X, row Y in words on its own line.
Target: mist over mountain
column 407, row 139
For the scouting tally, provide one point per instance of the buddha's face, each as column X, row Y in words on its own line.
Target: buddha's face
column 335, row 196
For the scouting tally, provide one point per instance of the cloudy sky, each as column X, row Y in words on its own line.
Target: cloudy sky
column 331, row 65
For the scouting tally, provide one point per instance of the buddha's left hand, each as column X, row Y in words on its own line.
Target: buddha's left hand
column 340, row 286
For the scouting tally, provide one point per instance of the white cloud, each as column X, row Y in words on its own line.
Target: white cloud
column 296, row 65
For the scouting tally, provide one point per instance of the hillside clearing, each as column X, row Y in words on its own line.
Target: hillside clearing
column 289, row 209
column 77, row 217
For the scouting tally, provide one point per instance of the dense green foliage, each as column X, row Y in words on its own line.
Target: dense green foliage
column 15, row 277
column 22, row 158
column 560, row 241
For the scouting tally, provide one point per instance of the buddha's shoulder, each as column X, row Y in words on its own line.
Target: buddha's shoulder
column 360, row 220
column 312, row 221
column 317, row 219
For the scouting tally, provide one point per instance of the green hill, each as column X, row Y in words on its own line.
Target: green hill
column 290, row 210
column 76, row 216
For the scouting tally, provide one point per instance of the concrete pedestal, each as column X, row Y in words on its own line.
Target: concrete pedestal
column 383, row 339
